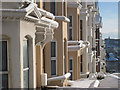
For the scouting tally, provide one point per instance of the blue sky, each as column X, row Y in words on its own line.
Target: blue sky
column 109, row 13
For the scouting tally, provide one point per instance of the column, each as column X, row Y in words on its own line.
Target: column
column 39, row 57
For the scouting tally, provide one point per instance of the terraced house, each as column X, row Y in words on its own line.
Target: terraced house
column 25, row 30
column 49, row 43
column 55, row 52
column 76, row 45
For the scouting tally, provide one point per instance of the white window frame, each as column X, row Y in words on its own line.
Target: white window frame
column 54, row 58
column 28, row 68
column 7, row 72
column 71, row 71
column 71, row 27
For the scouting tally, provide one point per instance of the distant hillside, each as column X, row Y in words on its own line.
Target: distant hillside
column 112, row 35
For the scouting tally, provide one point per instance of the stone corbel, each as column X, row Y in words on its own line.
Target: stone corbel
column 43, row 35
column 40, row 35
column 49, row 36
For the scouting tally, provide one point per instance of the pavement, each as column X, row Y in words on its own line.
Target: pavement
column 110, row 82
column 82, row 83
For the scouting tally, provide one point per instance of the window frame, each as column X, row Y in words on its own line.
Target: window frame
column 8, row 62
column 54, row 58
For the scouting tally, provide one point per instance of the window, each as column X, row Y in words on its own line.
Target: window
column 96, row 5
column 43, row 4
column 81, row 29
column 71, row 68
column 70, row 34
column 70, row 23
column 26, row 63
column 88, row 22
column 53, row 58
column 70, row 29
column 53, row 7
column 81, row 63
column 53, row 49
column 44, row 59
column 64, row 56
column 53, row 67
column 92, row 22
column 81, row 2
column 64, row 8
column 4, row 62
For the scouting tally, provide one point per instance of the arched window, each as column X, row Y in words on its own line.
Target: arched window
column 26, row 63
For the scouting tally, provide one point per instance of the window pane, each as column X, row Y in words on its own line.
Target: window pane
column 70, row 64
column 26, row 78
column 53, row 49
column 70, row 24
column 3, row 55
column 81, row 25
column 64, row 66
column 4, row 80
column 53, row 67
column 81, row 29
column 81, row 64
column 70, row 34
column 64, row 48
column 52, row 7
column 25, row 54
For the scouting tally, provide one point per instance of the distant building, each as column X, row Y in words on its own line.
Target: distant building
column 112, row 46
column 111, row 63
